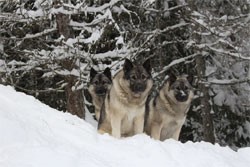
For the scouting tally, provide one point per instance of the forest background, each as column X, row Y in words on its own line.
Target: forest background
column 48, row 47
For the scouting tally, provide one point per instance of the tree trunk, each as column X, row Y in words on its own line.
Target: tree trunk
column 207, row 120
column 74, row 98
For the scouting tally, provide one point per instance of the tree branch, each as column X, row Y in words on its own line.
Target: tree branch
column 177, row 61
column 228, row 82
column 46, row 31
column 235, row 55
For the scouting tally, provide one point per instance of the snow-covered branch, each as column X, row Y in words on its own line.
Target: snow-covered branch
column 156, row 10
column 74, row 9
column 169, row 28
column 234, row 55
column 228, row 82
column 59, row 89
column 47, row 31
column 177, row 61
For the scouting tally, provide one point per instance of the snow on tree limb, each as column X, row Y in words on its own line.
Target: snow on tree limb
column 47, row 31
column 156, row 10
column 169, row 28
column 235, row 55
column 177, row 61
column 228, row 82
column 87, row 9
column 101, row 8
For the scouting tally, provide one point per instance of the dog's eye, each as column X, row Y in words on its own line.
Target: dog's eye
column 133, row 77
column 143, row 77
column 105, row 82
column 96, row 82
column 177, row 88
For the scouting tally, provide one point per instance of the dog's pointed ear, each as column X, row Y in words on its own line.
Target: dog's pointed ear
column 190, row 79
column 93, row 72
column 107, row 73
column 147, row 66
column 128, row 65
column 171, row 77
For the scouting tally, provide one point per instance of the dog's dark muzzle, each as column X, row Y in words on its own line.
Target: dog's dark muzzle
column 138, row 88
column 100, row 91
column 181, row 96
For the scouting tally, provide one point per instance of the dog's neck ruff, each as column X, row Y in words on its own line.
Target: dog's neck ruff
column 173, row 106
column 124, row 95
column 167, row 102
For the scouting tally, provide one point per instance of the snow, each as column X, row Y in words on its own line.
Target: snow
column 35, row 135
column 31, row 13
column 95, row 36
column 120, row 40
column 219, row 99
column 101, row 8
column 29, row 36
column 166, row 7
column 61, row 10
column 73, row 72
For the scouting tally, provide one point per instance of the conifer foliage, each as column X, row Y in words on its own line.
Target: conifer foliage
column 48, row 47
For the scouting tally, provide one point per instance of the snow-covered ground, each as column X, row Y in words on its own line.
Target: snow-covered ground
column 35, row 135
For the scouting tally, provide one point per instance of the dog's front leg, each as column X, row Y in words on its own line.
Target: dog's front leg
column 138, row 124
column 116, row 126
column 156, row 130
column 177, row 134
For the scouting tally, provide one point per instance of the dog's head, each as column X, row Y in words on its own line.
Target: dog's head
column 100, row 82
column 137, row 77
column 179, row 87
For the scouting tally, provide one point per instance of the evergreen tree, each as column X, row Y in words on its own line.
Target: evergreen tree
column 48, row 47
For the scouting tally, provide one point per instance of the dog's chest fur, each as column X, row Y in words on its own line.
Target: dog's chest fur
column 167, row 117
column 170, row 124
column 170, row 116
column 126, row 106
column 128, row 120
column 128, row 112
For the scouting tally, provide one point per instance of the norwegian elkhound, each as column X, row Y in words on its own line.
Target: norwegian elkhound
column 166, row 113
column 123, row 111
column 100, row 83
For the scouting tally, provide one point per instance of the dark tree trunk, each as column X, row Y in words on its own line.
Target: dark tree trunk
column 207, row 120
column 74, row 98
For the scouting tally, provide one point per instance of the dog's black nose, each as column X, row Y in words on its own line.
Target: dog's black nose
column 181, row 96
column 139, row 87
column 100, row 91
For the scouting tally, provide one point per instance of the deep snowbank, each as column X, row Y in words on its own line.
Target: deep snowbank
column 35, row 135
